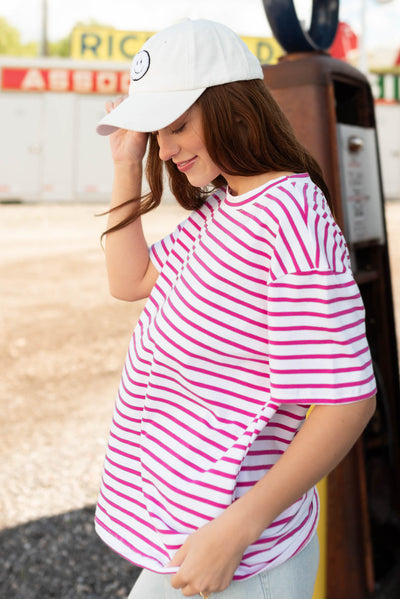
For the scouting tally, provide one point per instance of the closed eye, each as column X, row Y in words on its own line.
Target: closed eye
column 179, row 129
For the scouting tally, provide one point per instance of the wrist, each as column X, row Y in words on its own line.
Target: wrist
column 128, row 167
column 127, row 184
column 243, row 523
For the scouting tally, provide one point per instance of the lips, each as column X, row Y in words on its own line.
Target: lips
column 185, row 165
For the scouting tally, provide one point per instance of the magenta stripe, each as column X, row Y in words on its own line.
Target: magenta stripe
column 317, row 245
column 318, row 315
column 172, row 515
column 334, row 250
column 265, row 466
column 291, row 251
column 191, row 463
column 128, row 528
column 238, row 291
column 212, row 375
column 219, row 390
column 238, row 302
column 274, row 342
column 262, row 224
column 177, row 438
column 128, row 418
column 122, row 539
column 181, row 492
column 125, row 441
column 248, row 231
column 241, row 246
column 291, row 416
column 288, row 371
column 194, row 399
column 262, row 452
column 221, row 323
column 230, row 283
column 316, row 300
column 192, row 431
column 330, row 402
column 279, row 538
column 305, row 202
column 214, row 257
column 120, row 466
column 319, row 356
column 181, row 425
column 341, row 385
column 251, row 198
column 123, row 482
column 346, row 327
column 290, row 220
column 157, row 258
column 181, row 333
column 324, row 287
column 127, row 498
column 184, row 350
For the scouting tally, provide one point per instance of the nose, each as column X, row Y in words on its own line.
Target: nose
column 168, row 146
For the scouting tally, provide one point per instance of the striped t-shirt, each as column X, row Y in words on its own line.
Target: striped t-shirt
column 254, row 317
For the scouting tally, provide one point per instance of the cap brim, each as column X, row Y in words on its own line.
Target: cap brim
column 148, row 112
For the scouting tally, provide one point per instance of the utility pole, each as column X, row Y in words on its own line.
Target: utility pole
column 44, row 49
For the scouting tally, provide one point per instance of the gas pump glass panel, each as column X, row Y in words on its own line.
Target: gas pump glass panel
column 360, row 184
column 292, row 33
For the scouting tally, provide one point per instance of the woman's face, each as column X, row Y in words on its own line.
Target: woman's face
column 183, row 143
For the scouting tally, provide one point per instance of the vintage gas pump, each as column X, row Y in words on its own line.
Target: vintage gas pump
column 330, row 106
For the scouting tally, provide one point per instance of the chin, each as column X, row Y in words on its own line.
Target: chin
column 200, row 181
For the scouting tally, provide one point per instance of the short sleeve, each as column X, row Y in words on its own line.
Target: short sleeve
column 160, row 250
column 318, row 349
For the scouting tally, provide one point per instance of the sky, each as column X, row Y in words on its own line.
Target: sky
column 246, row 17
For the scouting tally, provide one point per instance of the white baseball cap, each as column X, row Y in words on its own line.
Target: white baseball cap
column 173, row 69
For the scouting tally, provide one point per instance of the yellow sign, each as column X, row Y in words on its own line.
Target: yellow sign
column 266, row 49
column 103, row 43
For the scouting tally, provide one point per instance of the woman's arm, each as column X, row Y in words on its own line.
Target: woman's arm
column 210, row 556
column 131, row 274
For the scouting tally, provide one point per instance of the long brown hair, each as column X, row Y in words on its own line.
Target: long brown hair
column 245, row 133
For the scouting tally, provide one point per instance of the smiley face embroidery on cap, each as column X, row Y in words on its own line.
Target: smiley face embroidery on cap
column 140, row 65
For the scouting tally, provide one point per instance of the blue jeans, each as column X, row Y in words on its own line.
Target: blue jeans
column 294, row 579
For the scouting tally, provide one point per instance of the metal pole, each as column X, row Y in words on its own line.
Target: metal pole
column 362, row 59
column 44, row 49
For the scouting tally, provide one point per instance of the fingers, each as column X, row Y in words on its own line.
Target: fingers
column 178, row 558
column 112, row 104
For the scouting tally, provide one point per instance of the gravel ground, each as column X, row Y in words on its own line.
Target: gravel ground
column 62, row 348
column 61, row 557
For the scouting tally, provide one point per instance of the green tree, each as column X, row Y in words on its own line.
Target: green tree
column 61, row 47
column 11, row 45
column 10, row 41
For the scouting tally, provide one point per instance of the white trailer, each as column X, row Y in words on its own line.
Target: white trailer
column 49, row 108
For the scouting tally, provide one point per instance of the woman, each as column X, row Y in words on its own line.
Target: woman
column 253, row 316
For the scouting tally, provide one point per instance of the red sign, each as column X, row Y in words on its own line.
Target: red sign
column 345, row 42
column 64, row 80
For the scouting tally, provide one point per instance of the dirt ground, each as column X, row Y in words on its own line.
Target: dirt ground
column 63, row 342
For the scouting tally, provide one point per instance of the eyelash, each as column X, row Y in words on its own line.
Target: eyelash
column 174, row 132
column 181, row 128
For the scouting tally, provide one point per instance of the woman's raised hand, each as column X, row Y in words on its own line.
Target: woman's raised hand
column 127, row 147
